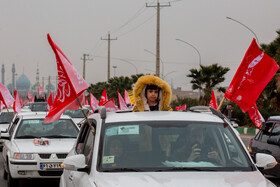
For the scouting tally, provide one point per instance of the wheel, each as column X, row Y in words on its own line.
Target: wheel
column 5, row 174
column 11, row 181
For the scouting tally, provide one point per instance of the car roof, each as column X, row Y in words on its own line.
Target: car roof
column 159, row 116
column 38, row 115
column 273, row 118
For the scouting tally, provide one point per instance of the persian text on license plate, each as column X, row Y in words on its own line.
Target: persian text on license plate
column 47, row 166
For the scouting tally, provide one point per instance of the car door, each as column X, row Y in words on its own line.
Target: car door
column 85, row 146
column 274, row 147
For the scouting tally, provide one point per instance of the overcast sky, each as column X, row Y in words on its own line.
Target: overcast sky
column 78, row 26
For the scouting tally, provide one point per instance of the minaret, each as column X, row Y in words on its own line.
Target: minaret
column 13, row 76
column 3, row 74
column 37, row 80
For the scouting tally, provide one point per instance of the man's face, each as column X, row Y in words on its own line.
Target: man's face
column 152, row 95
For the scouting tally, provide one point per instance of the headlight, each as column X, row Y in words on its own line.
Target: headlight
column 24, row 156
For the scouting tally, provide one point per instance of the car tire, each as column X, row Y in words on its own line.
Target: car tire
column 11, row 181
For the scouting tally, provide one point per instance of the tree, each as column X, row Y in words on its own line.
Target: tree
column 206, row 78
column 271, row 93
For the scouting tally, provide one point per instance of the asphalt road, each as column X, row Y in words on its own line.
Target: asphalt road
column 55, row 183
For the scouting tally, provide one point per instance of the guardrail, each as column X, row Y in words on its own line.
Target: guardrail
column 246, row 130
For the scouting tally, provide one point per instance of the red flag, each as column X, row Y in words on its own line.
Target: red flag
column 93, row 102
column 32, row 100
column 5, row 96
column 183, row 107
column 25, row 102
column 122, row 105
column 70, row 85
column 29, row 95
column 256, row 116
column 21, row 101
column 104, row 98
column 253, row 74
column 86, row 100
column 1, row 105
column 50, row 102
column 16, row 106
column 40, row 90
column 213, row 102
column 126, row 98
column 110, row 106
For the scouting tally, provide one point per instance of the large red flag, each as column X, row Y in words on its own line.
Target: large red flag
column 17, row 105
column 70, row 84
column 213, row 102
column 5, row 96
column 122, row 105
column 183, row 107
column 104, row 98
column 93, row 102
column 253, row 74
column 126, row 98
column 256, row 116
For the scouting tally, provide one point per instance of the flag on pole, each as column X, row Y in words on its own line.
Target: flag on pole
column 17, row 105
column 122, row 105
column 213, row 102
column 29, row 95
column 86, row 100
column 40, row 90
column 110, row 106
column 93, row 102
column 5, row 96
column 183, row 107
column 253, row 74
column 126, row 97
column 256, row 116
column 104, row 98
column 70, row 85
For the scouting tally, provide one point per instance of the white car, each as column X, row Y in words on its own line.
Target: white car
column 6, row 117
column 161, row 148
column 34, row 149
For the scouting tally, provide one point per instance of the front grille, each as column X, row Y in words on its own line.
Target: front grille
column 61, row 155
column 45, row 156
column 50, row 173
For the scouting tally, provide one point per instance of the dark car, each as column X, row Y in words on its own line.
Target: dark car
column 39, row 107
column 268, row 141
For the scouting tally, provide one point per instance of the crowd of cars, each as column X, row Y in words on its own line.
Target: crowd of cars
column 124, row 148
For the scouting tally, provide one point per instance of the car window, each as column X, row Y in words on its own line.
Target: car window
column 266, row 132
column 167, row 145
column 88, row 148
column 6, row 117
column 36, row 128
column 276, row 130
column 13, row 126
column 76, row 113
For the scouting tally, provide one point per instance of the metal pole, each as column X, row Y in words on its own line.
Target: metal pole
column 192, row 47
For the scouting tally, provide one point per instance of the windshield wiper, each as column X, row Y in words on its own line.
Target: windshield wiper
column 185, row 169
column 123, row 169
column 26, row 136
column 59, row 136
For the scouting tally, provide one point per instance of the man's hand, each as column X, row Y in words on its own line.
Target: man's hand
column 195, row 153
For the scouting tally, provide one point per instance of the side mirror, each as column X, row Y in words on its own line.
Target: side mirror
column 265, row 161
column 275, row 140
column 75, row 163
column 4, row 135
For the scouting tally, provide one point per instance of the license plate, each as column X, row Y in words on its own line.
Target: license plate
column 49, row 166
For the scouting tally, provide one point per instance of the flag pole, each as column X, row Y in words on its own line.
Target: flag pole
column 10, row 115
column 221, row 103
column 91, row 127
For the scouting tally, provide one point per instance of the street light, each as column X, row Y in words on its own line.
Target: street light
column 169, row 73
column 192, row 47
column 159, row 58
column 246, row 27
column 129, row 63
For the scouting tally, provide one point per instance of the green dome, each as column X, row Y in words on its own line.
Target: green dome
column 10, row 87
column 23, row 83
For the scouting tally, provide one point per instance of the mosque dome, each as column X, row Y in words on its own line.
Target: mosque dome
column 10, row 87
column 23, row 83
column 52, row 88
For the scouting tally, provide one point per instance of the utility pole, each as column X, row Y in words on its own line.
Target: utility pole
column 158, row 35
column 109, row 41
column 84, row 64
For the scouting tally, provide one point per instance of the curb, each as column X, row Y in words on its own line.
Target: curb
column 245, row 130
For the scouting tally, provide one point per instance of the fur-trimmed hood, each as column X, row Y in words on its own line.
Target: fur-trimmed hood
column 139, row 93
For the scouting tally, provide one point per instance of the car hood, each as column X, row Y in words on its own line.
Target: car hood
column 158, row 179
column 55, row 145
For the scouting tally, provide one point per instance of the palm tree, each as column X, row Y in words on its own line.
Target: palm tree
column 206, row 78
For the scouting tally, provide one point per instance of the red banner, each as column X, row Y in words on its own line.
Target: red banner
column 122, row 105
column 70, row 85
column 213, row 102
column 126, row 98
column 183, row 107
column 5, row 96
column 253, row 74
column 104, row 98
column 256, row 116
column 93, row 102
column 17, row 105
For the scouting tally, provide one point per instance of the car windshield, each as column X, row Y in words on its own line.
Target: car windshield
column 76, row 113
column 171, row 146
column 36, row 128
column 5, row 117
